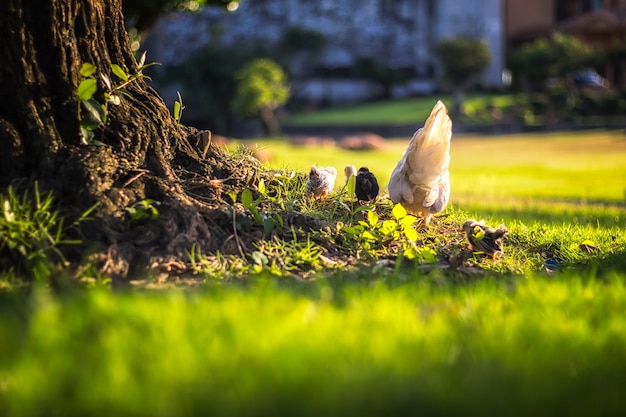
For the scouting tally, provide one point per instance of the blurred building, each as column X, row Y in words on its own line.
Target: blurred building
column 398, row 34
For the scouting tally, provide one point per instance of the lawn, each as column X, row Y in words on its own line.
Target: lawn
column 505, row 337
column 397, row 112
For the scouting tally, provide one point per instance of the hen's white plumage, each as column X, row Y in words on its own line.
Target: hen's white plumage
column 421, row 181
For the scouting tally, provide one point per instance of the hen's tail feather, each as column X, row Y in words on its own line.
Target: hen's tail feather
column 429, row 152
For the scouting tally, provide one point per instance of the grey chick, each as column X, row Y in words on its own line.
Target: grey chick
column 321, row 181
column 485, row 239
column 366, row 185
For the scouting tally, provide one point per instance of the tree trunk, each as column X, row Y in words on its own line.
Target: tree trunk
column 458, row 96
column 146, row 154
column 270, row 121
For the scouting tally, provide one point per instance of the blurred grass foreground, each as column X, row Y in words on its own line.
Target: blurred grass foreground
column 533, row 347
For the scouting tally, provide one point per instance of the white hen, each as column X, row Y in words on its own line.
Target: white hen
column 421, row 181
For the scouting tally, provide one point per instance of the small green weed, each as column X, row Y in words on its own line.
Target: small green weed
column 31, row 235
column 143, row 210
column 268, row 220
column 178, row 108
column 92, row 113
column 376, row 235
column 216, row 266
column 280, row 256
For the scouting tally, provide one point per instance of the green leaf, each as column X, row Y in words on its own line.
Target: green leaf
column 124, row 92
column 246, row 198
column 410, row 233
column 398, row 211
column 148, row 65
column 95, row 114
column 407, row 221
column 232, row 195
column 372, row 218
column 428, row 255
column 388, row 227
column 268, row 225
column 86, row 89
column 259, row 258
column 367, row 235
column 364, row 208
column 117, row 70
column 351, row 186
column 255, row 213
column 177, row 110
column 261, row 187
column 87, row 69
column 410, row 253
column 86, row 136
column 353, row 230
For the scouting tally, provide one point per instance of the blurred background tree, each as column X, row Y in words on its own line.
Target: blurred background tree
column 262, row 87
column 462, row 59
column 553, row 58
column 371, row 68
column 555, row 74
column 208, row 83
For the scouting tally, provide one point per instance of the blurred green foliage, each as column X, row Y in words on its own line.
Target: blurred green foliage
column 462, row 59
column 371, row 68
column 555, row 57
column 261, row 88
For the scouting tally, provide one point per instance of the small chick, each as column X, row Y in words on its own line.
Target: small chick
column 321, row 181
column 366, row 185
column 485, row 239
column 349, row 170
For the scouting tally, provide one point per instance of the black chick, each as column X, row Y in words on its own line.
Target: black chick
column 366, row 185
column 485, row 239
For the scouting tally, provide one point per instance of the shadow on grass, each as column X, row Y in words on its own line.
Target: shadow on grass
column 596, row 213
column 601, row 266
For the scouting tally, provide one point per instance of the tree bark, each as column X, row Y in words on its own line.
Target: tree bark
column 146, row 153
column 270, row 121
column 458, row 98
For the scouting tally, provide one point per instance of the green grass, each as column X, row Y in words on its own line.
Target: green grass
column 405, row 338
column 342, row 347
column 397, row 112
